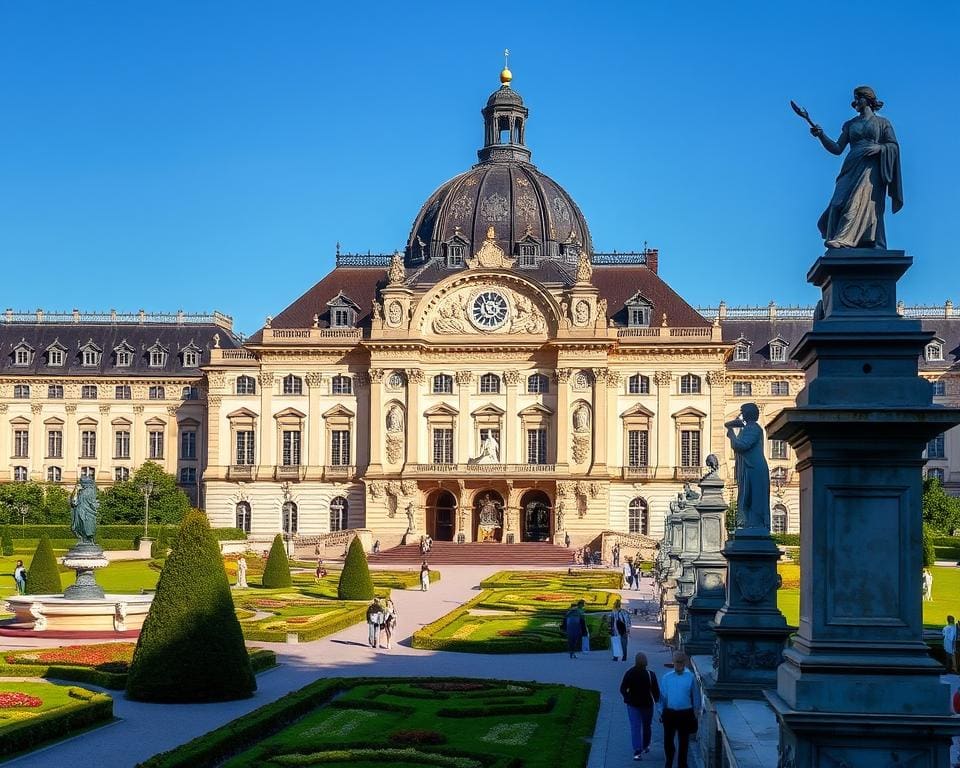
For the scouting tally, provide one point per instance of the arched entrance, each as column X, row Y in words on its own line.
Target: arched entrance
column 535, row 516
column 488, row 516
column 441, row 508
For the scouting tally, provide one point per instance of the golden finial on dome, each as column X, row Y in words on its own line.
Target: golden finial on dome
column 506, row 75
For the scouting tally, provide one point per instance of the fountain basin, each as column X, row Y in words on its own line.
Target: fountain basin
column 111, row 616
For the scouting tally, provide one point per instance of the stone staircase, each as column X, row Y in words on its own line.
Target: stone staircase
column 537, row 554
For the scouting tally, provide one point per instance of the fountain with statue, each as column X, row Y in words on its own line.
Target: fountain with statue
column 83, row 610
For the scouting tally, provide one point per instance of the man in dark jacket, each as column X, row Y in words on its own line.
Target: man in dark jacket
column 640, row 693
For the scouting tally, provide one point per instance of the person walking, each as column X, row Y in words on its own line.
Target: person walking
column 628, row 574
column 320, row 572
column 389, row 621
column 640, row 693
column 949, row 632
column 573, row 625
column 926, row 581
column 374, row 621
column 619, row 631
column 616, row 555
column 20, row 577
column 678, row 705
column 424, row 576
column 635, row 569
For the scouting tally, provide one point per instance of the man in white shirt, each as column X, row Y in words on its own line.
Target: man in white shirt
column 950, row 642
column 678, row 705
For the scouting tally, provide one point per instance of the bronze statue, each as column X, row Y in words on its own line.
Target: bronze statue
column 870, row 172
column 84, row 503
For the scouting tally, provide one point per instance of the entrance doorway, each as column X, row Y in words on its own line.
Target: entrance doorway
column 488, row 516
column 535, row 516
column 441, row 507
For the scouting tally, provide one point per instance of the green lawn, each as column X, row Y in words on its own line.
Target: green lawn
column 405, row 723
column 946, row 596
column 44, row 711
column 551, row 580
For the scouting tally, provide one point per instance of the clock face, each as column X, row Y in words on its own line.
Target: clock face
column 488, row 311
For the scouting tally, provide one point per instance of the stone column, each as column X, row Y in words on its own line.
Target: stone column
column 315, row 430
column 709, row 567
column 665, row 459
column 858, row 687
column 464, row 427
column 599, row 452
column 508, row 448
column 562, row 379
column 414, row 381
column 214, row 457
column 267, row 434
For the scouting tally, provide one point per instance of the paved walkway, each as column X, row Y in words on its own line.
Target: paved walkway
column 145, row 729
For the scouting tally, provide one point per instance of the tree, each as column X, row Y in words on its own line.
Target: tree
column 43, row 577
column 13, row 495
column 929, row 553
column 940, row 510
column 191, row 646
column 56, row 504
column 276, row 572
column 355, row 582
column 730, row 517
column 124, row 503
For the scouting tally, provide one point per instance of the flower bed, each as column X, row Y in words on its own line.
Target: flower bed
column 553, row 581
column 293, row 611
column 104, row 664
column 383, row 721
column 32, row 713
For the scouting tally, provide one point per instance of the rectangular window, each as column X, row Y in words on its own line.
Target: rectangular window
column 21, row 391
column 188, row 476
column 742, row 389
column 122, row 392
column 779, row 388
column 690, row 448
column 191, row 359
column 55, row 357
column 245, row 446
column 536, row 446
column 21, row 443
column 341, row 318
column 340, row 447
column 455, row 256
column 639, row 317
column 188, row 444
column 55, row 392
column 124, row 358
column 88, row 392
column 638, row 385
column 939, row 388
column 291, row 448
column 741, row 353
column 778, row 449
column 638, row 448
column 936, row 473
column 528, row 255
column 443, row 446
column 121, row 444
column 88, row 444
column 778, row 353
column 935, row 448
column 155, row 444
column 55, row 444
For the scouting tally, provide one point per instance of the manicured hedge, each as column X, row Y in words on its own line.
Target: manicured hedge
column 43, row 576
column 352, row 615
column 276, row 572
column 90, row 708
column 355, row 581
column 108, row 536
column 787, row 539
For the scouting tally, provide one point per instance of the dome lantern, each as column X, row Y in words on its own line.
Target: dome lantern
column 504, row 123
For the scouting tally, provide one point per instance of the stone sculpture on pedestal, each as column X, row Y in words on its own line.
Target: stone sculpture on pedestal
column 85, row 556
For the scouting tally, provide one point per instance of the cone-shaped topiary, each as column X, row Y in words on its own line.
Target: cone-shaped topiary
column 6, row 542
column 276, row 572
column 43, row 575
column 355, row 582
column 191, row 647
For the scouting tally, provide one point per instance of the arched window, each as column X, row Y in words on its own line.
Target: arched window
column 639, row 517
column 538, row 384
column 21, row 474
column 54, row 474
column 778, row 519
column 342, row 385
column 638, row 385
column 290, row 516
column 689, row 384
column 243, row 516
column 489, row 383
column 443, row 384
column 292, row 385
column 338, row 514
column 246, row 385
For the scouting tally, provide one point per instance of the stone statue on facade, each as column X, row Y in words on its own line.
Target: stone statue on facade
column 752, row 472
column 84, row 504
column 489, row 514
column 411, row 511
column 396, row 273
column 394, row 419
column 870, row 172
column 581, row 418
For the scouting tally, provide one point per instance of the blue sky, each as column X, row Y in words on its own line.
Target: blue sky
column 203, row 155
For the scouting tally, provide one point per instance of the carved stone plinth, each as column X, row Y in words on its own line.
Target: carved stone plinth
column 858, row 687
column 85, row 559
column 750, row 629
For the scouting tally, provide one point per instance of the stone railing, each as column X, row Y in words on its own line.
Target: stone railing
column 242, row 356
column 660, row 334
column 339, row 472
column 332, row 539
column 113, row 317
column 307, row 336
column 688, row 473
column 630, row 544
column 638, row 473
column 289, row 472
column 240, row 472
column 484, row 469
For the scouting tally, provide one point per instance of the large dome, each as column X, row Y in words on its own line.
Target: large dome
column 531, row 215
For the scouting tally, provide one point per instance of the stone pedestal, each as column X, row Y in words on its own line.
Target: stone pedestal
column 85, row 558
column 750, row 630
column 686, row 580
column 858, row 688
column 669, row 606
column 709, row 569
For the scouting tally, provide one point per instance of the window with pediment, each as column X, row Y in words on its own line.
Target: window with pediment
column 90, row 355
column 22, row 354
column 639, row 311
column 123, row 355
column 934, row 351
column 343, row 311
column 157, row 355
column 778, row 350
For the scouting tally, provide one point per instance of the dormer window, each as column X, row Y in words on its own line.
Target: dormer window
column 778, row 350
column 55, row 355
column 639, row 311
column 343, row 311
column 22, row 354
column 157, row 355
column 123, row 355
column 190, row 356
column 455, row 254
column 528, row 253
column 90, row 355
column 741, row 352
column 934, row 351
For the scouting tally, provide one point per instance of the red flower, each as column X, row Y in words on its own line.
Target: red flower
column 9, row 699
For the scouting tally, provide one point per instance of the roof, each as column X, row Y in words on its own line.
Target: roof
column 618, row 284
column 140, row 337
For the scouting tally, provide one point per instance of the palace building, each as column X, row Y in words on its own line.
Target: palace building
column 499, row 379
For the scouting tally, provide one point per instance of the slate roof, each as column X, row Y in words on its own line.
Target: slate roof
column 618, row 283
column 106, row 336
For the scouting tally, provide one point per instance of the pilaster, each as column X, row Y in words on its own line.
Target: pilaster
column 70, row 452
column 104, row 447
column 36, row 446
column 508, row 440
column 464, row 427
column 267, row 444
column 314, row 431
column 599, row 452
column 665, row 459
column 415, row 379
column 562, row 379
